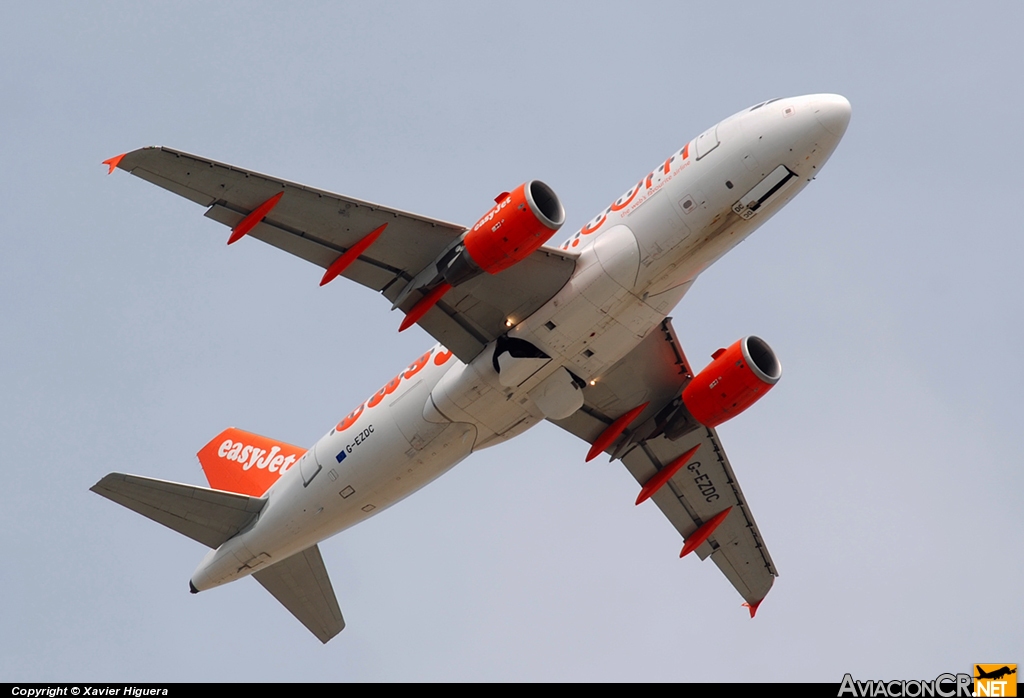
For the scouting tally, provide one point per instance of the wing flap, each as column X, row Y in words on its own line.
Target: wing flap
column 301, row 584
column 204, row 515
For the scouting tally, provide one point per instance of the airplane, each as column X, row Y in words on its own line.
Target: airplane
column 995, row 674
column 577, row 334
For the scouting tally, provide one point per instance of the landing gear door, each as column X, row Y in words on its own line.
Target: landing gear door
column 707, row 141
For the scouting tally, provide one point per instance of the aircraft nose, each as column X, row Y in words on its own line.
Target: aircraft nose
column 833, row 112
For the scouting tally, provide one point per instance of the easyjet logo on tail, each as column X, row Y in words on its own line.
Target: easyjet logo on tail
column 250, row 456
column 245, row 463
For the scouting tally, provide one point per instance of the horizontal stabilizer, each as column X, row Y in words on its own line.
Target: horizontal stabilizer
column 204, row 515
column 300, row 582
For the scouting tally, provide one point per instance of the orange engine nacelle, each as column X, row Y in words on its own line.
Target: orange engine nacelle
column 518, row 224
column 737, row 378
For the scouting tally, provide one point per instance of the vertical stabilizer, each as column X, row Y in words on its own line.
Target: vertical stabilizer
column 238, row 461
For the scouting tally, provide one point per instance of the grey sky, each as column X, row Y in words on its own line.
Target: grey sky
column 883, row 470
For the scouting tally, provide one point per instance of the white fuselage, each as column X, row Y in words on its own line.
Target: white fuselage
column 636, row 261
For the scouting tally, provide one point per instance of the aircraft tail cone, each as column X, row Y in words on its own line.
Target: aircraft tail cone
column 192, row 588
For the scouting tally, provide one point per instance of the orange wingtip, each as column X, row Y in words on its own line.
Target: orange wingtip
column 752, row 607
column 114, row 162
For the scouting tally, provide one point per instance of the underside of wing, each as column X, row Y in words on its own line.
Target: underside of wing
column 320, row 227
column 703, row 485
column 309, row 223
column 471, row 316
column 301, row 584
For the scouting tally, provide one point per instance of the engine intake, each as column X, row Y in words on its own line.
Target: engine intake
column 517, row 225
column 737, row 378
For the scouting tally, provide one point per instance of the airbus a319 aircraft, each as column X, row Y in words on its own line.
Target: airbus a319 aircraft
column 576, row 334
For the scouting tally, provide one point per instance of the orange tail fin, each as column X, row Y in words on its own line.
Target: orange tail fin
column 244, row 463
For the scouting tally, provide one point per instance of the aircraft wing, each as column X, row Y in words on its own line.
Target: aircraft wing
column 319, row 226
column 301, row 584
column 657, row 371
